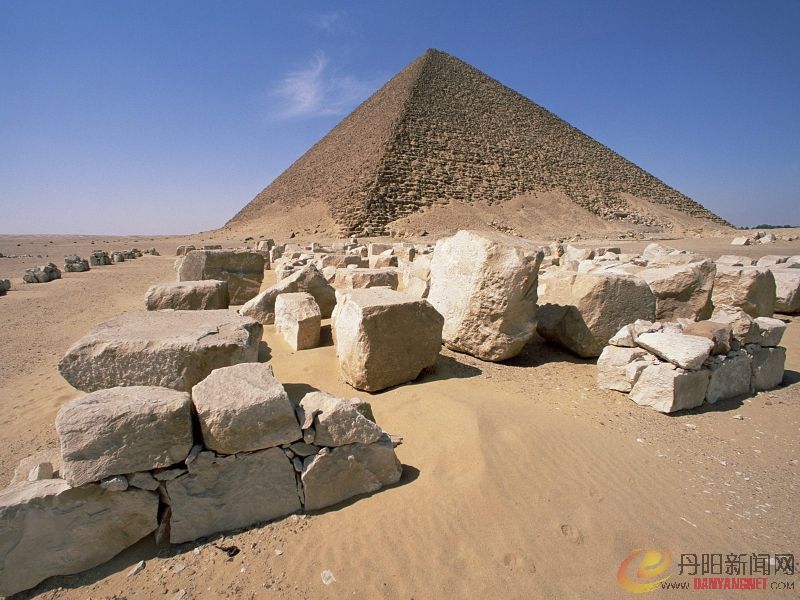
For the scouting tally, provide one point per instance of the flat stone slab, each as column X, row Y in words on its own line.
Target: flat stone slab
column 221, row 493
column 208, row 294
column 49, row 528
column 685, row 351
column 174, row 349
column 123, row 430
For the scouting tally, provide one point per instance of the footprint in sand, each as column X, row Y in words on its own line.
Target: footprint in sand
column 513, row 562
column 573, row 534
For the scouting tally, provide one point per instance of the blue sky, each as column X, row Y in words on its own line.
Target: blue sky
column 168, row 116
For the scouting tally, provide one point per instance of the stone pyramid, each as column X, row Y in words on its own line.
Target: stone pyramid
column 442, row 132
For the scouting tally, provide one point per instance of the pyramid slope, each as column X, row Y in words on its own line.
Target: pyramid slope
column 442, row 132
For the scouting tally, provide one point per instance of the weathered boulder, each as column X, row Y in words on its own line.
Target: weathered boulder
column 771, row 260
column 338, row 421
column 770, row 330
column 787, row 290
column 721, row 334
column 335, row 475
column 43, row 274
column 685, row 351
column 123, row 430
column 682, row 290
column 767, row 367
column 365, row 278
column 484, row 284
column 730, row 377
column 220, row 493
column 99, row 258
column 744, row 329
column 298, row 320
column 582, row 311
column 5, row 285
column 243, row 270
column 750, row 288
column 184, row 249
column 308, row 279
column 618, row 368
column 734, row 260
column 206, row 294
column 75, row 264
column 49, row 528
column 244, row 408
column 384, row 338
column 173, row 349
column 667, row 388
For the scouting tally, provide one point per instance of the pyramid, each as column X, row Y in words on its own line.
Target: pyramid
column 443, row 133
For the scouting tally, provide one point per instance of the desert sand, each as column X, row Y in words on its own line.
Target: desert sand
column 521, row 479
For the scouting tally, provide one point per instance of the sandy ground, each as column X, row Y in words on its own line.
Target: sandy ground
column 521, row 480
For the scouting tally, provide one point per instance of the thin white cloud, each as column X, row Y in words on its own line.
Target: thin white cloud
column 317, row 90
column 329, row 22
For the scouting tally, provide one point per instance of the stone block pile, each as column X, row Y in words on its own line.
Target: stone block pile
column 678, row 365
column 75, row 264
column 133, row 464
column 243, row 270
column 43, row 274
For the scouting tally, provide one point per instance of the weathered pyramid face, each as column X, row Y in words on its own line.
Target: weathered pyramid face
column 442, row 132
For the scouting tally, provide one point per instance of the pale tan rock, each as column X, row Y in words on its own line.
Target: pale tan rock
column 244, row 408
column 307, row 279
column 750, row 288
column 685, row 351
column 787, row 290
column 682, row 290
column 338, row 421
column 767, row 367
column 384, row 338
column 581, row 312
column 744, row 329
column 741, row 241
column 123, row 430
column 243, row 270
column 366, row 278
column 382, row 262
column 49, row 528
column 208, row 294
column 667, row 388
column 336, row 475
column 174, row 349
column 735, row 261
column 484, row 285
column 721, row 334
column 221, row 493
column 298, row 320
column 27, row 464
column 612, row 367
column 730, row 377
column 770, row 330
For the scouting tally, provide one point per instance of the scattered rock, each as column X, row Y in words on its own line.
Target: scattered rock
column 208, row 294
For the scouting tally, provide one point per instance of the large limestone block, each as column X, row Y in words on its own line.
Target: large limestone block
column 337, row 474
column 721, row 334
column 685, row 351
column 767, row 367
column 122, row 430
column 787, row 290
column 384, row 338
column 365, row 278
column 243, row 270
column 173, row 349
column 208, row 294
column 682, row 290
column 750, row 288
column 338, row 421
column 307, row 279
column 48, row 528
column 220, row 493
column 730, row 377
column 298, row 320
column 582, row 311
column 771, row 331
column 613, row 372
column 244, row 408
column 484, row 285
column 666, row 388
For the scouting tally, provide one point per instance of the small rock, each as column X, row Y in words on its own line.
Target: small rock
column 136, row 569
column 738, row 417
column 327, row 577
column 118, row 483
column 278, row 551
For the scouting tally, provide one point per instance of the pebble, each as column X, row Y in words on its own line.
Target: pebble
column 327, row 577
column 137, row 568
